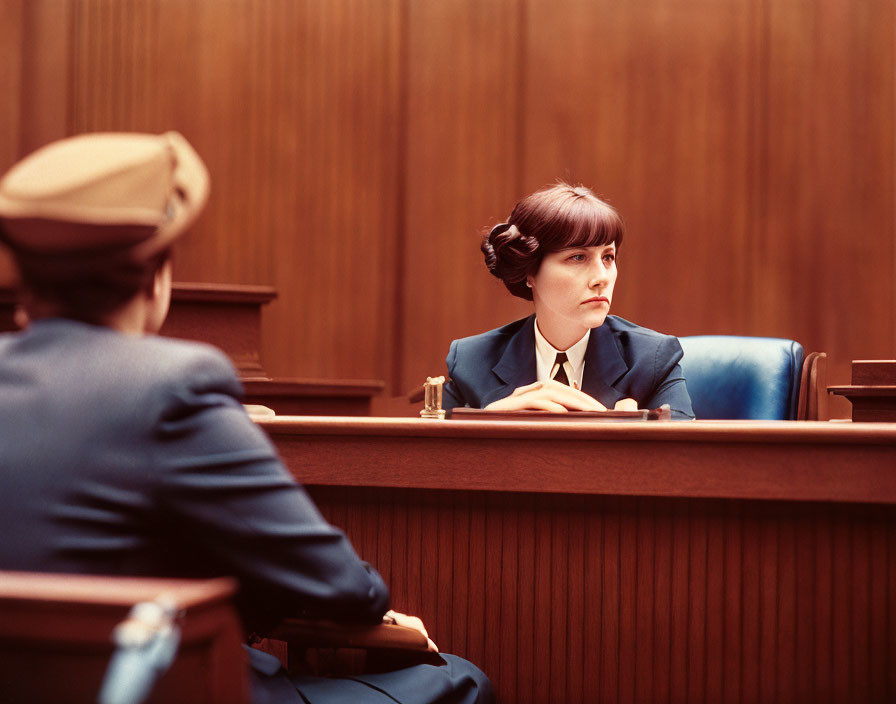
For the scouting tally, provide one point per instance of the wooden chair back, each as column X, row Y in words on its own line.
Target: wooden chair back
column 56, row 637
column 813, row 401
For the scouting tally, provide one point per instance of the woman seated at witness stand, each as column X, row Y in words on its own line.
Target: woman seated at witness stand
column 558, row 249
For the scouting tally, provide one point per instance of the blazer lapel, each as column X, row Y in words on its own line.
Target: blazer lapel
column 517, row 365
column 603, row 367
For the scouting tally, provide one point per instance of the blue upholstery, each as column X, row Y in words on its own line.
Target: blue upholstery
column 732, row 377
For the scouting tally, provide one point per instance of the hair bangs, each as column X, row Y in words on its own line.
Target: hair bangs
column 575, row 217
column 588, row 222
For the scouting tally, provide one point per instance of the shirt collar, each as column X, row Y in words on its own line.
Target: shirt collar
column 545, row 353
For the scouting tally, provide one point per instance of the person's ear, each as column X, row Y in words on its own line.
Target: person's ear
column 160, row 299
column 161, row 282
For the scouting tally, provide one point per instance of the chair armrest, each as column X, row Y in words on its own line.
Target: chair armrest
column 330, row 634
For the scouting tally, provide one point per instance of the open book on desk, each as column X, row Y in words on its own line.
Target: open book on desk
column 661, row 413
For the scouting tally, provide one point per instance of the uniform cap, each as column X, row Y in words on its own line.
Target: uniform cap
column 101, row 191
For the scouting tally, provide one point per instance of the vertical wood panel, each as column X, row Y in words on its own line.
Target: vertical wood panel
column 462, row 160
column 768, row 610
column 542, row 623
column 610, row 592
column 460, row 597
column 647, row 615
column 750, row 647
column 12, row 38
column 828, row 174
column 774, row 554
column 493, row 560
column 697, row 609
column 577, row 592
column 843, row 592
column 417, row 549
column 400, row 549
column 679, row 586
column 293, row 105
column 444, row 548
column 559, row 603
column 786, row 625
column 527, row 607
column 860, row 680
column 663, row 566
column 628, row 602
column 824, row 595
column 733, row 612
column 879, row 641
column 891, row 612
column 592, row 621
column 649, row 104
column 45, row 112
column 715, row 635
column 806, row 592
column 477, row 636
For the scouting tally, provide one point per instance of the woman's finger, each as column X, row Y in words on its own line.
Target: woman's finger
column 547, row 396
column 572, row 398
column 535, row 400
column 520, row 390
column 626, row 404
column 546, row 404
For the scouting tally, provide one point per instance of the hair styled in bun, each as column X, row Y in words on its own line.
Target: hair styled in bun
column 507, row 256
column 549, row 220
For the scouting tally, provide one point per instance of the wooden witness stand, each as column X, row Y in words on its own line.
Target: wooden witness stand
column 873, row 390
column 580, row 562
column 229, row 317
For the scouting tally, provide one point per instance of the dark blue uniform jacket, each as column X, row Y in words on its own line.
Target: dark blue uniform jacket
column 622, row 360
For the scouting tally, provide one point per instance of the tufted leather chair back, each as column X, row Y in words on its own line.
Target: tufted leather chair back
column 734, row 377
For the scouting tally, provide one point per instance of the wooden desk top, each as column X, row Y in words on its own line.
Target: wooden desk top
column 812, row 461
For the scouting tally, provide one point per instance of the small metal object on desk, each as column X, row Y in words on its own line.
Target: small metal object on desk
column 432, row 399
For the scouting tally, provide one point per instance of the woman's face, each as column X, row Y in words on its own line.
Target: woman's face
column 573, row 289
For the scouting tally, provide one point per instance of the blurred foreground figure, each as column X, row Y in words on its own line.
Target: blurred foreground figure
column 124, row 453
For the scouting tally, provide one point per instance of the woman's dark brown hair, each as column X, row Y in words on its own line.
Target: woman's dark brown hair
column 549, row 220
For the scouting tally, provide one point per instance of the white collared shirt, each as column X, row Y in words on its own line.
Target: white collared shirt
column 545, row 353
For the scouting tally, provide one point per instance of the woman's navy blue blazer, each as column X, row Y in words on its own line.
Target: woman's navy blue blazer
column 622, row 360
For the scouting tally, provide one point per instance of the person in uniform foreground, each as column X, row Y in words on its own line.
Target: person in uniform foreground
column 124, row 453
column 558, row 249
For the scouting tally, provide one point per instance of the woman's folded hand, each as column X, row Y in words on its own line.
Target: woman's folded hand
column 547, row 396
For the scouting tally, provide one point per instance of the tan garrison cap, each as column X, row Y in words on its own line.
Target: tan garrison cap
column 119, row 190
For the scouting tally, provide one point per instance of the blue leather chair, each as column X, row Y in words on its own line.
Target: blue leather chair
column 733, row 377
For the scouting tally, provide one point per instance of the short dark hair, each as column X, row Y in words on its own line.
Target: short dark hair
column 549, row 220
column 85, row 285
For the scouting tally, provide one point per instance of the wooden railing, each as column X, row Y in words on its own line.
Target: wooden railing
column 660, row 562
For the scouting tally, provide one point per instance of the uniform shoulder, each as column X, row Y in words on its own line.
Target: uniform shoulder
column 492, row 338
column 639, row 345
column 179, row 377
column 623, row 327
column 121, row 380
column 165, row 358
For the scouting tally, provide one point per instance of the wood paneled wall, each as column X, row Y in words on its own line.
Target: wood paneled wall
column 358, row 148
